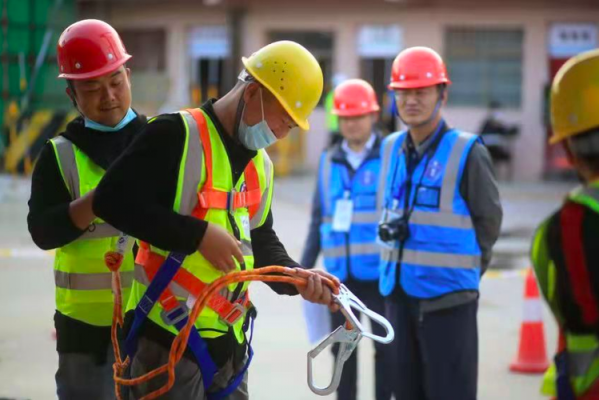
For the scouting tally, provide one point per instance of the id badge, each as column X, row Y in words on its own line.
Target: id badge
column 245, row 222
column 343, row 215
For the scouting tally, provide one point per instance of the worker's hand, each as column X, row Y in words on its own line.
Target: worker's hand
column 219, row 247
column 316, row 291
column 81, row 211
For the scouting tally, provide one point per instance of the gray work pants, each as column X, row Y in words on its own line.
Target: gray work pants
column 79, row 376
column 188, row 378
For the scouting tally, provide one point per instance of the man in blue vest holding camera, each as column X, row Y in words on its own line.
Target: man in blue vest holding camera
column 344, row 218
column 441, row 216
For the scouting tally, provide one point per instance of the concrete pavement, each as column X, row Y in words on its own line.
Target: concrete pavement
column 28, row 360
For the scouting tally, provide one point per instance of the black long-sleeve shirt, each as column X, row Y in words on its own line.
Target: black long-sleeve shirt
column 137, row 195
column 138, row 192
column 48, row 220
column 50, row 224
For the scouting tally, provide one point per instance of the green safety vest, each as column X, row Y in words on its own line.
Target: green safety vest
column 192, row 178
column 332, row 119
column 582, row 350
column 83, row 282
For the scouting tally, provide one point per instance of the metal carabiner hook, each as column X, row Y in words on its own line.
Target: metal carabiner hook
column 349, row 301
column 348, row 336
column 348, row 340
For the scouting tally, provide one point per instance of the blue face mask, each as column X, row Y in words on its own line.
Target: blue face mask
column 258, row 136
column 130, row 116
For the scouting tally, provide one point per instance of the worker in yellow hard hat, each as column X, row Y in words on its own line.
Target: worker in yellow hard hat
column 199, row 183
column 565, row 254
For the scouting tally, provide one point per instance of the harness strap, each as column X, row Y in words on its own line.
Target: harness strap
column 212, row 198
column 160, row 282
column 220, row 200
column 229, row 312
column 179, row 316
column 237, row 379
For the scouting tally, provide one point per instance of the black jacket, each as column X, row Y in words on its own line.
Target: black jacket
column 51, row 227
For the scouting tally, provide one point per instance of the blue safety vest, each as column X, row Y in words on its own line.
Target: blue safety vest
column 441, row 254
column 354, row 252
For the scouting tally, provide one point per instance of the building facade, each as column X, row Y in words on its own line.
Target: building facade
column 504, row 52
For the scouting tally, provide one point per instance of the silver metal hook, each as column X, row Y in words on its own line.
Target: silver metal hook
column 348, row 341
column 349, row 301
column 348, row 338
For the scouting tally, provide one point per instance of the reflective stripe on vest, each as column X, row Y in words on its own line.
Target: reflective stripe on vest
column 257, row 220
column 97, row 281
column 433, row 259
column 357, row 248
column 387, row 147
column 358, row 217
column 67, row 165
column 441, row 234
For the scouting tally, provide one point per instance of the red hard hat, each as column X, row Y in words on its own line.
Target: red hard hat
column 354, row 97
column 418, row 67
column 88, row 49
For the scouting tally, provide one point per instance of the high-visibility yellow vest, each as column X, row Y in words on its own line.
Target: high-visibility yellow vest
column 203, row 153
column 83, row 282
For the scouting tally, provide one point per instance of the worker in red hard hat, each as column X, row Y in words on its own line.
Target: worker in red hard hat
column 91, row 58
column 441, row 216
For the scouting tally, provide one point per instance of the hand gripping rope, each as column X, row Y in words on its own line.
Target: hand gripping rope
column 348, row 335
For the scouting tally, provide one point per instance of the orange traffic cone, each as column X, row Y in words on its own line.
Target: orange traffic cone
column 532, row 356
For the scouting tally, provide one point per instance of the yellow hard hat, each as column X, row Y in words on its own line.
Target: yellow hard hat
column 575, row 97
column 291, row 74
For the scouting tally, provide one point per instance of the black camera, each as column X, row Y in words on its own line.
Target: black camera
column 396, row 229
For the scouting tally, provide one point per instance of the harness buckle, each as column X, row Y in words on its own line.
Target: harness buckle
column 236, row 313
column 175, row 315
column 231, row 201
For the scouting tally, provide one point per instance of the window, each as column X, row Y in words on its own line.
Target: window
column 148, row 47
column 320, row 45
column 212, row 72
column 484, row 65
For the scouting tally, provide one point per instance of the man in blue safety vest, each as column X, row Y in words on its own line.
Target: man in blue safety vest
column 441, row 216
column 344, row 218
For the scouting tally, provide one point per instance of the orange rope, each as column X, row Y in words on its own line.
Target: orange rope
column 295, row 276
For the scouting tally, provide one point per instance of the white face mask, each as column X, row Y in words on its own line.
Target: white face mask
column 258, row 136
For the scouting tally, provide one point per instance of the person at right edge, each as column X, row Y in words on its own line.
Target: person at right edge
column 441, row 216
column 565, row 254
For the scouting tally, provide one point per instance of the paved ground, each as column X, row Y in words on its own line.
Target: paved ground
column 27, row 358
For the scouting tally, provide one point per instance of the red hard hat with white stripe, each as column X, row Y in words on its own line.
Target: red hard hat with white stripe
column 418, row 67
column 354, row 97
column 88, row 49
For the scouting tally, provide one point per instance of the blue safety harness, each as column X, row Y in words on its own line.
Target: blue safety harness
column 178, row 317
